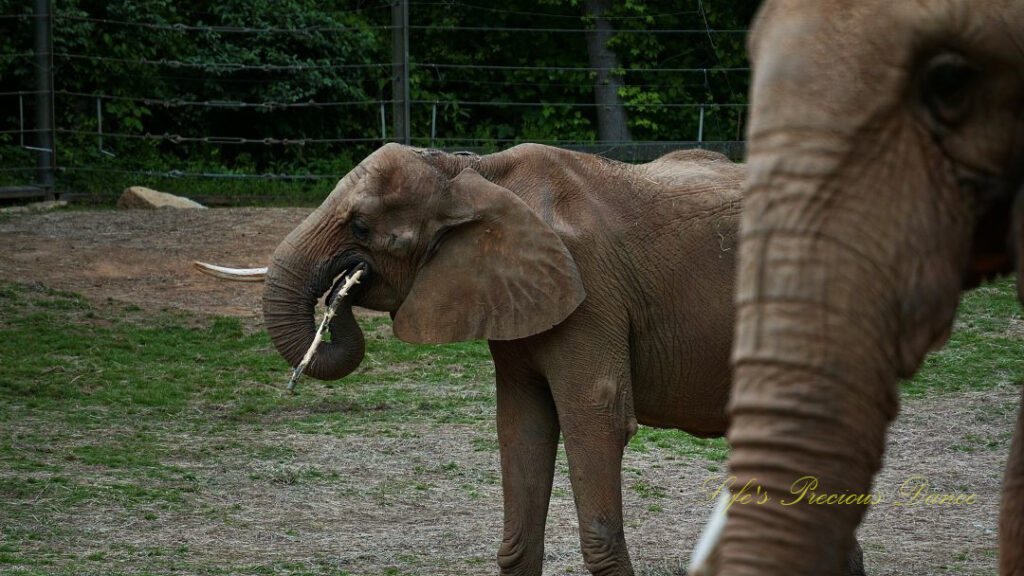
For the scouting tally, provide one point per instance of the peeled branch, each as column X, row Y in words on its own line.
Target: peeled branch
column 236, row 274
column 332, row 308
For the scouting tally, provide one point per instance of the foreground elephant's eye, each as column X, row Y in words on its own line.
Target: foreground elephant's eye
column 946, row 87
column 360, row 230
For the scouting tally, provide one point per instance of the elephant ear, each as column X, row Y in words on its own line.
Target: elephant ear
column 498, row 272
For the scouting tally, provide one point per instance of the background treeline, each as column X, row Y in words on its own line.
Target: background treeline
column 197, row 92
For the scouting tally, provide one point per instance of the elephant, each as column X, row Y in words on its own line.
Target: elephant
column 604, row 290
column 886, row 176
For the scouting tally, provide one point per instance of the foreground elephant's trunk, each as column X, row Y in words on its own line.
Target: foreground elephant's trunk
column 293, row 286
column 813, row 393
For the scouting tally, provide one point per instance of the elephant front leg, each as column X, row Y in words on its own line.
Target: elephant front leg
column 528, row 439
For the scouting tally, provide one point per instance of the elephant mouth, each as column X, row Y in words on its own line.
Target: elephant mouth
column 330, row 277
column 340, row 280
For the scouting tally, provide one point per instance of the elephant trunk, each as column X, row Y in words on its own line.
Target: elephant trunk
column 293, row 286
column 814, row 388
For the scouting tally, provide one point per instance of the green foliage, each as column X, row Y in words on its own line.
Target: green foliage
column 130, row 52
column 149, row 68
column 645, row 92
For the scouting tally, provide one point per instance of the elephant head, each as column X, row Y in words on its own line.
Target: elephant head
column 452, row 255
column 886, row 155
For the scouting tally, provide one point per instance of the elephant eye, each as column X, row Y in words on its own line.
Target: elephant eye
column 360, row 231
column 946, row 87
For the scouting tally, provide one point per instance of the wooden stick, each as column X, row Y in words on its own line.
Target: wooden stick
column 332, row 308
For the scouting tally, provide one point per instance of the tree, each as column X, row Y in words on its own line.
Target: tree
column 612, row 123
column 299, row 87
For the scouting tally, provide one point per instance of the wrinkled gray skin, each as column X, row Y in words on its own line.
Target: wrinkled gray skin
column 886, row 154
column 605, row 290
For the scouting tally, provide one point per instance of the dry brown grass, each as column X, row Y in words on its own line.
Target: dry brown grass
column 429, row 503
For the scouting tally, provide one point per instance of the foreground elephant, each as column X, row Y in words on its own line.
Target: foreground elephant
column 605, row 290
column 886, row 155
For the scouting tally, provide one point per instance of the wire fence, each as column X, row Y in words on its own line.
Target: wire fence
column 22, row 137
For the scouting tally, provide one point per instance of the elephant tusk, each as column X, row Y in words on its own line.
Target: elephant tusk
column 236, row 274
column 705, row 555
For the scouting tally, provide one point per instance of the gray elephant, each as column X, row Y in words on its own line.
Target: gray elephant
column 605, row 290
column 886, row 152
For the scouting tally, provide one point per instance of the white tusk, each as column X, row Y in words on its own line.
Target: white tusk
column 236, row 274
column 702, row 563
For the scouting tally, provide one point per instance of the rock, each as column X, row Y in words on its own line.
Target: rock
column 139, row 197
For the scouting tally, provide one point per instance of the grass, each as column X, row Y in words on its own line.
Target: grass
column 135, row 418
column 985, row 350
column 679, row 444
column 100, row 404
column 120, row 362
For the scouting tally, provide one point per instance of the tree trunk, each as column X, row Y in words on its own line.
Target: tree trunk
column 611, row 115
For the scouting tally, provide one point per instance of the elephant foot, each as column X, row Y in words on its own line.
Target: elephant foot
column 855, row 561
column 520, row 555
column 604, row 550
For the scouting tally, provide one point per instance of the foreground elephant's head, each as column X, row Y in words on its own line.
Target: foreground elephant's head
column 450, row 254
column 886, row 154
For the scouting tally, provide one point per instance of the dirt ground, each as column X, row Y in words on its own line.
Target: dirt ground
column 957, row 443
column 145, row 257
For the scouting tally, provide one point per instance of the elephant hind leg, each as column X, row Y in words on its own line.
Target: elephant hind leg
column 1011, row 515
column 594, row 441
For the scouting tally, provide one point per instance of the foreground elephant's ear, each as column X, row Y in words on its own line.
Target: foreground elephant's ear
column 499, row 273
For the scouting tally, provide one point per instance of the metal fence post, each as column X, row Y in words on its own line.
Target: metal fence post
column 433, row 124
column 46, row 153
column 700, row 129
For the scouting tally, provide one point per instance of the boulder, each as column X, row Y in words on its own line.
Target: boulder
column 139, row 197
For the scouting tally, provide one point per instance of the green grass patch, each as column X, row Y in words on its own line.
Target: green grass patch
column 986, row 348
column 679, row 443
column 58, row 351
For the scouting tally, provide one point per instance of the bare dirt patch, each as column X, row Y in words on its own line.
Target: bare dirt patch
column 144, row 257
column 428, row 502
